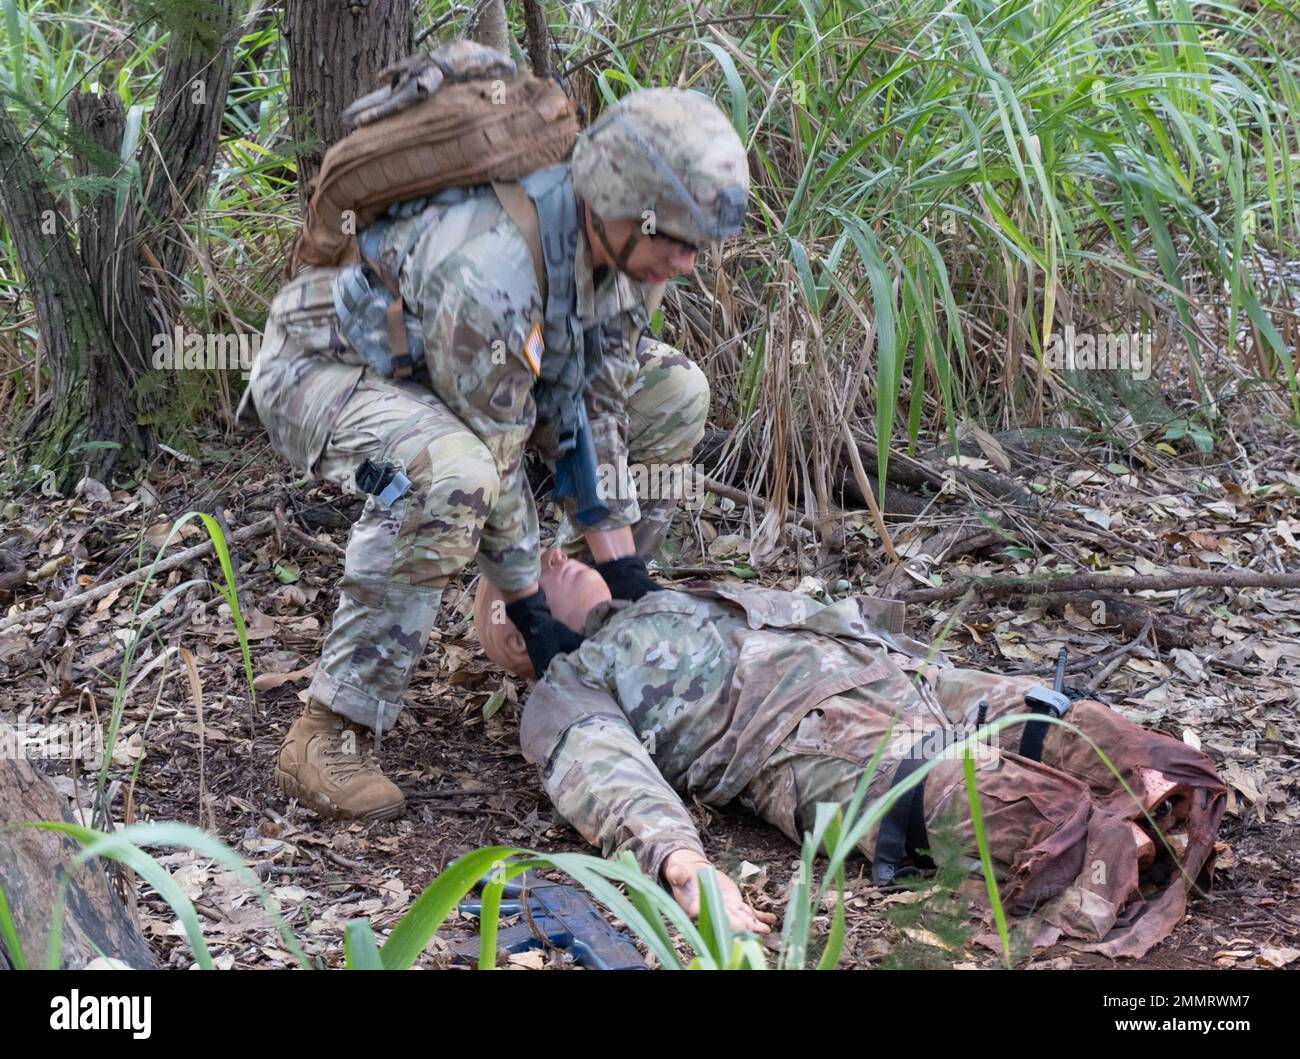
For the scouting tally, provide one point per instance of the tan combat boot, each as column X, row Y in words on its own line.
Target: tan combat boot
column 321, row 765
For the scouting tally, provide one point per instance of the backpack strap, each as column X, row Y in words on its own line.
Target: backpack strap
column 902, row 832
column 403, row 364
column 523, row 211
column 515, row 201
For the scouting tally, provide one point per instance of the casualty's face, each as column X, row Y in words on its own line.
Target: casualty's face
column 572, row 589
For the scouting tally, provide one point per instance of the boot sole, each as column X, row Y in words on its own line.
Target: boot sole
column 321, row 804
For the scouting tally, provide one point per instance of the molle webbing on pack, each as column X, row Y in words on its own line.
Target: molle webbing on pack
column 462, row 133
column 368, row 299
column 367, row 318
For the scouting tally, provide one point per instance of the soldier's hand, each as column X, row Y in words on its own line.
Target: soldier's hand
column 628, row 578
column 680, row 869
column 544, row 635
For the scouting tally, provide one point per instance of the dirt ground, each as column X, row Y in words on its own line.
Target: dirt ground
column 1234, row 688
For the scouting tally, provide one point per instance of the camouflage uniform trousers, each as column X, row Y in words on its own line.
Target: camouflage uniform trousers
column 1025, row 805
column 399, row 558
column 824, row 758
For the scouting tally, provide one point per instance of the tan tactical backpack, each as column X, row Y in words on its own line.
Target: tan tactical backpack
column 459, row 116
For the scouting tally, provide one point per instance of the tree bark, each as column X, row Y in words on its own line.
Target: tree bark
column 337, row 49
column 95, row 322
column 186, row 125
column 33, row 863
column 487, row 24
column 109, row 244
column 87, row 397
column 539, row 43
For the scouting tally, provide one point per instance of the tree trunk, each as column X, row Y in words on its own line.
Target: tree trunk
column 34, row 861
column 538, row 37
column 109, row 244
column 488, row 25
column 337, row 49
column 96, row 324
column 186, row 124
column 86, row 400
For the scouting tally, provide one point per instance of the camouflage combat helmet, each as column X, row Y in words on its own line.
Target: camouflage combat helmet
column 668, row 151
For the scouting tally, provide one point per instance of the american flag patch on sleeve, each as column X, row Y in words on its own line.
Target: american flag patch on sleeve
column 533, row 348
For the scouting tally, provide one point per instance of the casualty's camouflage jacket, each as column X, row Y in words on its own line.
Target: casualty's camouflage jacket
column 772, row 699
column 694, row 691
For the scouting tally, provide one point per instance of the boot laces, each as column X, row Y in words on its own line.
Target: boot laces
column 343, row 764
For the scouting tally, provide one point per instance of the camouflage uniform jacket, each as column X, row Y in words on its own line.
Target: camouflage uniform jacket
column 692, row 692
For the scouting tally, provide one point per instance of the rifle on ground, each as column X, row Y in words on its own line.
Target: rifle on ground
column 558, row 913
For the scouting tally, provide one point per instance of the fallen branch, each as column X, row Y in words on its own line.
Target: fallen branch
column 49, row 638
column 323, row 547
column 912, row 470
column 170, row 563
column 756, row 503
column 1117, row 656
column 1166, row 582
column 899, row 502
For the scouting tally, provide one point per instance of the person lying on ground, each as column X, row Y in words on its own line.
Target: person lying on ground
column 770, row 700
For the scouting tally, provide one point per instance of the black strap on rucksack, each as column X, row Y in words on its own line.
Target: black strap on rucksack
column 902, row 832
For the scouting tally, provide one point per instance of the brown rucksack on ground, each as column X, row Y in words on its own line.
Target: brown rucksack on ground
column 457, row 117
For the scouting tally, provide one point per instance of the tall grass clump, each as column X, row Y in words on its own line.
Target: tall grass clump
column 943, row 186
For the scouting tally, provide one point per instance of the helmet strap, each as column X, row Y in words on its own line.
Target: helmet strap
column 620, row 257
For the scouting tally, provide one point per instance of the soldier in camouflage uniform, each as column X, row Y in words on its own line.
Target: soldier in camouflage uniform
column 772, row 700
column 661, row 174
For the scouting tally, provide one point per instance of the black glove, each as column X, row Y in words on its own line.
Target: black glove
column 544, row 636
column 627, row 577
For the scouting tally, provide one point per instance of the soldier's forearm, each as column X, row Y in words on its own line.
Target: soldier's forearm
column 611, row 544
column 510, row 545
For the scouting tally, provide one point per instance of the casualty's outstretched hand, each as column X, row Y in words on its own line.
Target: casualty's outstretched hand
column 680, row 869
